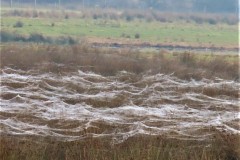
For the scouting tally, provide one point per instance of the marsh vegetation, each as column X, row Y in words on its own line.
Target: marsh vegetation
column 109, row 83
column 79, row 102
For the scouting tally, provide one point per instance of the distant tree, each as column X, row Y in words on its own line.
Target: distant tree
column 216, row 6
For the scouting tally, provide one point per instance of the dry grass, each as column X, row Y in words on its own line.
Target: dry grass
column 221, row 146
column 109, row 61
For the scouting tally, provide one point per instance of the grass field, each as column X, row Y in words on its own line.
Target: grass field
column 172, row 33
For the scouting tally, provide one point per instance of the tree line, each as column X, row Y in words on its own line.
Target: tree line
column 214, row 6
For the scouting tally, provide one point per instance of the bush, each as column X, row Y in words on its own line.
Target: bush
column 129, row 18
column 20, row 38
column 212, row 21
column 11, row 37
column 162, row 19
column 7, row 37
column 71, row 41
column 95, row 16
column 36, row 37
column 66, row 16
column 137, row 35
column 18, row 24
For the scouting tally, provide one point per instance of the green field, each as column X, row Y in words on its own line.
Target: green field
column 177, row 32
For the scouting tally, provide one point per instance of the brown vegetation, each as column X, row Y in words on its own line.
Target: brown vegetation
column 222, row 146
column 7, row 36
column 128, row 15
column 109, row 61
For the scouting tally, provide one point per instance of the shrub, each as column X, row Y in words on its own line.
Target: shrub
column 66, row 16
column 137, row 35
column 212, row 21
column 7, row 37
column 20, row 38
column 95, row 16
column 12, row 37
column 36, row 37
column 129, row 18
column 140, row 16
column 162, row 19
column 18, row 24
column 71, row 41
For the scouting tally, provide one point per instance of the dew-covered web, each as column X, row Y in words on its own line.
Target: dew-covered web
column 74, row 105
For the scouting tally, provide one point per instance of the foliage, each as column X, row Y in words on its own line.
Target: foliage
column 137, row 35
column 185, row 65
column 36, row 38
column 18, row 24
